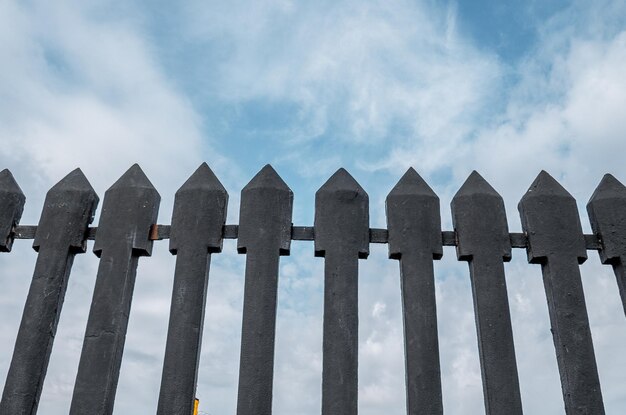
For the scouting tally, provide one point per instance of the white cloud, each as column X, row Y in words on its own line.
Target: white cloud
column 577, row 136
column 83, row 90
column 355, row 70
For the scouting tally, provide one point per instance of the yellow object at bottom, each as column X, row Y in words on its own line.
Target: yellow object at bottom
column 196, row 404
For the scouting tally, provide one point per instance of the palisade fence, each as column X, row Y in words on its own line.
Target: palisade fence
column 553, row 238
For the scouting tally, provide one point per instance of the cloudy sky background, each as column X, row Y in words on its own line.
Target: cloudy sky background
column 507, row 88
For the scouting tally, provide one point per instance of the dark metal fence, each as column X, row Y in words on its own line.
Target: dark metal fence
column 553, row 238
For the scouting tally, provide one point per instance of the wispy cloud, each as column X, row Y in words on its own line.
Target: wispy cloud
column 82, row 90
column 362, row 73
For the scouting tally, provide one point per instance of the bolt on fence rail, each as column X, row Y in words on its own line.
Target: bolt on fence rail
column 552, row 236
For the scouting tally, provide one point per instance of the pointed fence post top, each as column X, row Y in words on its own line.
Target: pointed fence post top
column 476, row 186
column 133, row 178
column 202, row 179
column 607, row 214
column 199, row 212
column 550, row 220
column 129, row 210
column 11, row 207
column 69, row 208
column 75, row 181
column 413, row 217
column 608, row 188
column 266, row 212
column 267, row 178
column 8, row 184
column 411, row 184
column 479, row 219
column 341, row 215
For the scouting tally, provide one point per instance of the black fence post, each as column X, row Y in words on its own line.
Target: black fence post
column 11, row 206
column 197, row 224
column 483, row 241
column 414, row 223
column 341, row 237
column 555, row 240
column 607, row 214
column 129, row 210
column 264, row 235
column 62, row 232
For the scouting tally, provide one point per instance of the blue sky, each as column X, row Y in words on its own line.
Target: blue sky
column 507, row 88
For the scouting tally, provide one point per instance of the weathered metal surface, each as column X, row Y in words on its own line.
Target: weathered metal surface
column 264, row 235
column 480, row 223
column 414, row 224
column 129, row 210
column 11, row 206
column 607, row 214
column 68, row 209
column 197, row 221
column 555, row 240
column 341, row 237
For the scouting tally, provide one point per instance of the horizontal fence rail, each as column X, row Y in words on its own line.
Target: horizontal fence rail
column 552, row 237
column 307, row 233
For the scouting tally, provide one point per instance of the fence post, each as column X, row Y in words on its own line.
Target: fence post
column 341, row 237
column 129, row 210
column 68, row 209
column 555, row 240
column 414, row 224
column 264, row 235
column 483, row 241
column 197, row 223
column 607, row 214
column 11, row 206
